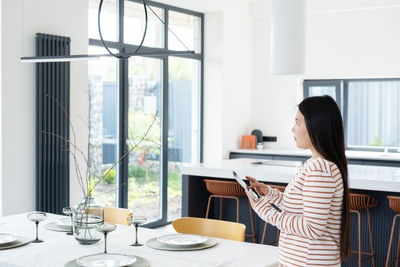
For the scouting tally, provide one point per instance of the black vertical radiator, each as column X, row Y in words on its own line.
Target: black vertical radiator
column 52, row 124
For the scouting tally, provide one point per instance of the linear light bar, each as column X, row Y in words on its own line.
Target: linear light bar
column 45, row 59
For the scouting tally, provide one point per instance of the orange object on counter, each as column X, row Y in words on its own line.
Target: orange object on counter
column 246, row 139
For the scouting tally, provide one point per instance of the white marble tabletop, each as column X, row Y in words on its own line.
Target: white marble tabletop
column 364, row 177
column 58, row 248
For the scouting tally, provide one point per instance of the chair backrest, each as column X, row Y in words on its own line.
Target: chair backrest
column 210, row 227
column 224, row 188
column 116, row 215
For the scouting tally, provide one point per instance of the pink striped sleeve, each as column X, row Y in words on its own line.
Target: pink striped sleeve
column 274, row 196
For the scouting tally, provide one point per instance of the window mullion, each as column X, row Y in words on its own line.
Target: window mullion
column 123, row 133
column 164, row 122
column 345, row 109
column 123, row 113
column 201, row 105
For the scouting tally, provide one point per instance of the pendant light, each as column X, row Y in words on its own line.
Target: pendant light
column 288, row 36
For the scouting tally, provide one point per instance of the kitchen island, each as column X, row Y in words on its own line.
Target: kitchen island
column 378, row 181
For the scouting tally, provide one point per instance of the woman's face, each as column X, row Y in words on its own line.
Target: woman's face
column 300, row 133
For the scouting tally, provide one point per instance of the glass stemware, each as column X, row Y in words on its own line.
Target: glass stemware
column 136, row 220
column 36, row 217
column 68, row 211
column 105, row 228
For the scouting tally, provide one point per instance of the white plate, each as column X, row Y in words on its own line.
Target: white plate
column 64, row 223
column 106, row 260
column 181, row 240
column 6, row 238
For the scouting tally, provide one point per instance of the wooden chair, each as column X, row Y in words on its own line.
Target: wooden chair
column 116, row 215
column 210, row 227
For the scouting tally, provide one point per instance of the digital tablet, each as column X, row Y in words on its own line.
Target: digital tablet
column 252, row 193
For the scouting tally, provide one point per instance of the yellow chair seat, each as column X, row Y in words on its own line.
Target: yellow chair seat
column 116, row 215
column 209, row 227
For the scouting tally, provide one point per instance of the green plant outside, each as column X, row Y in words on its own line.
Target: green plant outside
column 141, row 188
column 376, row 141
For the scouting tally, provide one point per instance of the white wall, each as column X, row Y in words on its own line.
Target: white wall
column 345, row 39
column 227, row 79
column 237, row 67
column 20, row 20
column 354, row 43
column 213, row 84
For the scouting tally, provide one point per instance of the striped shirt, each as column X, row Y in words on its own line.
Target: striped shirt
column 311, row 215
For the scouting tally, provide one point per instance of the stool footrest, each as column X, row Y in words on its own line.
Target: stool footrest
column 368, row 254
column 363, row 253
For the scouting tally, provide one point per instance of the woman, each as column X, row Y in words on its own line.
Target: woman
column 314, row 221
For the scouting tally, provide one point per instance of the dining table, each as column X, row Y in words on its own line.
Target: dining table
column 58, row 248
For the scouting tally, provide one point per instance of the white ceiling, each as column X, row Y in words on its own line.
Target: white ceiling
column 199, row 5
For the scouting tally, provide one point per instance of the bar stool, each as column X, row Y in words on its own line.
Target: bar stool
column 365, row 202
column 231, row 190
column 394, row 204
column 282, row 189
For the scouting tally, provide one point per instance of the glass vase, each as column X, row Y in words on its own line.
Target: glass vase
column 86, row 217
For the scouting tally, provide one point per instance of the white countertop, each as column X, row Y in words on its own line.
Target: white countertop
column 364, row 177
column 351, row 154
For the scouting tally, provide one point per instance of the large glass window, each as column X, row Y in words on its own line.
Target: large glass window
column 103, row 126
column 135, row 23
column 109, row 20
column 373, row 117
column 370, row 109
column 185, row 32
column 183, row 125
column 147, row 106
column 144, row 169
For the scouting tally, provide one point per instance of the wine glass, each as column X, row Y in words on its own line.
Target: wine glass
column 136, row 220
column 36, row 217
column 68, row 211
column 105, row 228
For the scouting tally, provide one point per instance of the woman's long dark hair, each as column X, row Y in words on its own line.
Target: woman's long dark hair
column 325, row 129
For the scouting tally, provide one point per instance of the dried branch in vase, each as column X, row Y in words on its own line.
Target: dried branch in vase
column 84, row 178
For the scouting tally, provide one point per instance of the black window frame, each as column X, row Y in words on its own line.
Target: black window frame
column 342, row 90
column 123, row 87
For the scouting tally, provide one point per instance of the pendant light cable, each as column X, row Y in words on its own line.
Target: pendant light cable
column 168, row 28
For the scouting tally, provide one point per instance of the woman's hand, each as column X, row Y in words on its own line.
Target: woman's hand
column 260, row 188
